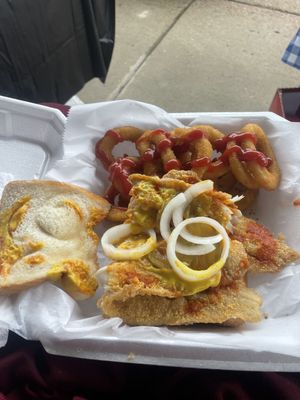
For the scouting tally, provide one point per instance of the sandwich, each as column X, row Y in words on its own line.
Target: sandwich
column 47, row 233
column 183, row 255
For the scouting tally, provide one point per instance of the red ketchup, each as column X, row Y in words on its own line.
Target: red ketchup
column 119, row 172
column 163, row 145
column 238, row 138
column 194, row 135
column 103, row 157
column 172, row 164
column 246, row 155
column 198, row 163
column 114, row 135
column 182, row 144
column 152, row 133
column 148, row 155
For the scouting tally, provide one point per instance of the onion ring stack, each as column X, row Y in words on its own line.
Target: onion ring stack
column 245, row 160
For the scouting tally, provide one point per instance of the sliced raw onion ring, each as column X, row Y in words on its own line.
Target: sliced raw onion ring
column 198, row 188
column 192, row 192
column 166, row 215
column 194, row 250
column 119, row 232
column 101, row 275
column 181, row 269
column 178, row 218
column 178, row 203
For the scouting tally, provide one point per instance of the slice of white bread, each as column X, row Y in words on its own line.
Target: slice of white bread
column 46, row 233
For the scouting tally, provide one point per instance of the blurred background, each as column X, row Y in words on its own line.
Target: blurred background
column 200, row 55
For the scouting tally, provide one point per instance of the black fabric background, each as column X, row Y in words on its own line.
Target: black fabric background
column 50, row 48
column 28, row 372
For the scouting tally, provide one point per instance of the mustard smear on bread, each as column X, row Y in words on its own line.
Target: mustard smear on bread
column 10, row 219
column 17, row 213
column 96, row 216
column 75, row 276
column 35, row 259
column 75, row 207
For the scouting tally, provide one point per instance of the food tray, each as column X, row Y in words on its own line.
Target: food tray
column 31, row 138
column 68, row 328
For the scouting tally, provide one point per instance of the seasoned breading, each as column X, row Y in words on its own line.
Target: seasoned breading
column 186, row 176
column 166, row 182
column 237, row 264
column 132, row 285
column 231, row 305
column 130, row 278
column 150, row 194
column 265, row 253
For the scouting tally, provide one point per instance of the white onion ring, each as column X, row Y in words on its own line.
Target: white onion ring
column 178, row 218
column 181, row 269
column 166, row 215
column 198, row 188
column 192, row 192
column 194, row 250
column 177, row 203
column 119, row 232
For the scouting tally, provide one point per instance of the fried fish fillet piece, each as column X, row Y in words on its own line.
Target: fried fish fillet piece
column 265, row 252
column 138, row 293
column 230, row 305
column 148, row 292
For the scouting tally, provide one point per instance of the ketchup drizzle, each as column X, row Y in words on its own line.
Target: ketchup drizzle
column 120, row 171
column 239, row 137
column 181, row 145
column 114, row 135
column 121, row 168
column 246, row 155
column 198, row 163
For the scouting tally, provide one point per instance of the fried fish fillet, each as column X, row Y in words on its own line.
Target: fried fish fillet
column 140, row 296
column 231, row 305
column 129, row 278
column 265, row 253
column 148, row 292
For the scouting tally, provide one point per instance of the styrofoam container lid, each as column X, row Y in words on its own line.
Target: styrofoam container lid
column 31, row 138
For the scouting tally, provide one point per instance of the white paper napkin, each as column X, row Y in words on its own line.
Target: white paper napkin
column 50, row 315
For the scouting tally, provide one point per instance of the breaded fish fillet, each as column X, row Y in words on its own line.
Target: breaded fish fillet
column 230, row 305
column 265, row 253
column 148, row 292
column 140, row 296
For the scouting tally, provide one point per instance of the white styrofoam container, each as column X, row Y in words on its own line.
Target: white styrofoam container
column 31, row 138
column 187, row 117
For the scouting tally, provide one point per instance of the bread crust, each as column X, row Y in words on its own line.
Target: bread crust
column 58, row 185
column 17, row 287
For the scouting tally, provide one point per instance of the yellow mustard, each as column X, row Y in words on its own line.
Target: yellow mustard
column 9, row 221
column 75, row 207
column 75, row 276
